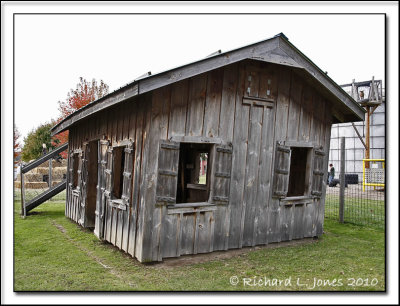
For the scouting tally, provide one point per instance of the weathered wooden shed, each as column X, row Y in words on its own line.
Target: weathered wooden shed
column 262, row 116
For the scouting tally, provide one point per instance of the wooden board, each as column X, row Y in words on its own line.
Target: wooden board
column 264, row 177
column 229, row 88
column 197, row 98
column 213, row 103
column 251, row 179
column 294, row 108
column 178, row 111
column 238, row 163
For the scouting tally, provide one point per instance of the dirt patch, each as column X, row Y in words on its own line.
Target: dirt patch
column 186, row 260
column 90, row 253
column 60, row 227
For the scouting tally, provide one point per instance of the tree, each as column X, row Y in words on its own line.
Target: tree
column 17, row 146
column 33, row 142
column 84, row 93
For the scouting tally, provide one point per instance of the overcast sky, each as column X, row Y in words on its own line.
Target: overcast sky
column 53, row 51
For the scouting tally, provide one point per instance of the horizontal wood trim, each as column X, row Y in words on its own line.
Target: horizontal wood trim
column 192, row 205
column 316, row 193
column 196, row 139
column 165, row 199
column 301, row 144
column 281, row 171
column 190, row 208
column 196, row 186
column 279, row 194
column 171, row 146
column 319, row 152
column 222, row 174
column 123, row 143
column 220, row 199
column 269, row 103
column 300, row 200
column 283, row 149
column 224, row 150
column 168, row 172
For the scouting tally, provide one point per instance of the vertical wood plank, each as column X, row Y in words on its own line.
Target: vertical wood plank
column 114, row 221
column 294, row 108
column 229, row 87
column 213, row 103
column 282, row 105
column 305, row 114
column 135, row 133
column 286, row 219
column 298, row 230
column 158, row 130
column 179, row 98
column 169, row 234
column 264, row 177
column 197, row 97
column 326, row 146
column 147, row 191
column 187, row 236
column 238, row 162
column 251, row 180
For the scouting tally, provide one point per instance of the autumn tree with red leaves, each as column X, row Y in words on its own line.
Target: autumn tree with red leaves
column 17, row 146
column 84, row 93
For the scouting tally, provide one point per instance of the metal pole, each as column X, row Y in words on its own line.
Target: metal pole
column 367, row 137
column 342, row 179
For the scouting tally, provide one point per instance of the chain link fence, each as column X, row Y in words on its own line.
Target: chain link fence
column 360, row 207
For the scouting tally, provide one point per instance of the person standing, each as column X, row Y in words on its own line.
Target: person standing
column 331, row 174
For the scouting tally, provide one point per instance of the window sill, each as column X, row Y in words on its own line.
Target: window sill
column 298, row 200
column 191, row 207
column 197, row 186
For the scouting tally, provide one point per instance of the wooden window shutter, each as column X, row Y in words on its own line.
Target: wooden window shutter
column 222, row 173
column 281, row 172
column 83, row 182
column 127, row 174
column 83, row 170
column 108, row 171
column 318, row 172
column 167, row 177
column 80, row 170
column 71, row 168
column 101, row 200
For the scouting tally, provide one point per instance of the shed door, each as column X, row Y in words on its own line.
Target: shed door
column 101, row 184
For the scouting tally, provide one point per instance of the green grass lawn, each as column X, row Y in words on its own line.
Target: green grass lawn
column 53, row 253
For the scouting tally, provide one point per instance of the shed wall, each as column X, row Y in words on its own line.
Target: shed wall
column 211, row 105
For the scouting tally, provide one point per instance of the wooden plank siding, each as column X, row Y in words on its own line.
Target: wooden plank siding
column 279, row 106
